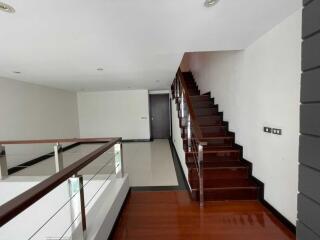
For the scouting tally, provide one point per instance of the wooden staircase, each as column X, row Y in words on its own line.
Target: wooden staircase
column 226, row 175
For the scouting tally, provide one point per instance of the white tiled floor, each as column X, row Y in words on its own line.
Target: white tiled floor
column 148, row 163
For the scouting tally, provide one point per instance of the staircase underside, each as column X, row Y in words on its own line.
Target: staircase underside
column 227, row 176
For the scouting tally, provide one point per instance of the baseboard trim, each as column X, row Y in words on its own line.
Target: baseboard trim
column 279, row 216
column 38, row 159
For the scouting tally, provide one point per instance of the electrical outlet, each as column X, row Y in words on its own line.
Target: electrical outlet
column 267, row 129
column 277, row 131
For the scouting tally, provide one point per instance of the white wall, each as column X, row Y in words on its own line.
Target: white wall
column 176, row 138
column 30, row 111
column 114, row 114
column 256, row 87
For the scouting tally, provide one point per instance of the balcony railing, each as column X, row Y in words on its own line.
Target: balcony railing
column 91, row 172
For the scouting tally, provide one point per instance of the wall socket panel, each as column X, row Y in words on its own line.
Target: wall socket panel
column 267, row 129
column 276, row 131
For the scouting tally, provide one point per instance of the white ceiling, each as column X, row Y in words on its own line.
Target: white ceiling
column 139, row 43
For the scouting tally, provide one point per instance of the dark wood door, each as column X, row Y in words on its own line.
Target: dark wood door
column 159, row 115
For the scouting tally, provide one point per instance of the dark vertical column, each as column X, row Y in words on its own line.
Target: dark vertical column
column 308, row 226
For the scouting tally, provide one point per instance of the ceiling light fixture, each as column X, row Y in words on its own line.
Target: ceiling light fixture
column 100, row 69
column 6, row 8
column 210, row 3
column 16, row 72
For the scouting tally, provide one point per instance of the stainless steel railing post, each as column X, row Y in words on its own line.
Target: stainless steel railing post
column 3, row 163
column 76, row 186
column 189, row 133
column 118, row 157
column 182, row 106
column 58, row 157
column 200, row 164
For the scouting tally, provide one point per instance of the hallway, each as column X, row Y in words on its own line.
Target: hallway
column 172, row 215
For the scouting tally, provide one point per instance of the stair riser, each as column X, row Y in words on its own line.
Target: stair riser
column 211, row 120
column 213, row 164
column 206, row 112
column 200, row 98
column 193, row 93
column 214, row 122
column 211, row 135
column 216, row 174
column 213, row 129
column 218, row 143
column 225, row 156
column 212, row 106
column 228, row 194
column 203, row 104
column 193, row 87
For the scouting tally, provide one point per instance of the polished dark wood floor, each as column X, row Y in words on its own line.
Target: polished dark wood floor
column 173, row 215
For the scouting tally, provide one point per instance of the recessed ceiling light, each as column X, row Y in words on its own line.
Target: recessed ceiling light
column 210, row 3
column 100, row 69
column 6, row 8
column 16, row 72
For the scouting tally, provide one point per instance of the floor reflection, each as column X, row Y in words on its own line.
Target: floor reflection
column 172, row 215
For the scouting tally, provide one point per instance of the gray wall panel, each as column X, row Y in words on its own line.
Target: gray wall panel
column 310, row 119
column 308, row 178
column 310, row 86
column 305, row 233
column 307, row 1
column 309, row 152
column 311, row 53
column 308, row 227
column 308, row 213
column 311, row 19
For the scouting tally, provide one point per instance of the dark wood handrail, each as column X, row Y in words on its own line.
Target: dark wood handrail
column 68, row 140
column 195, row 124
column 20, row 203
